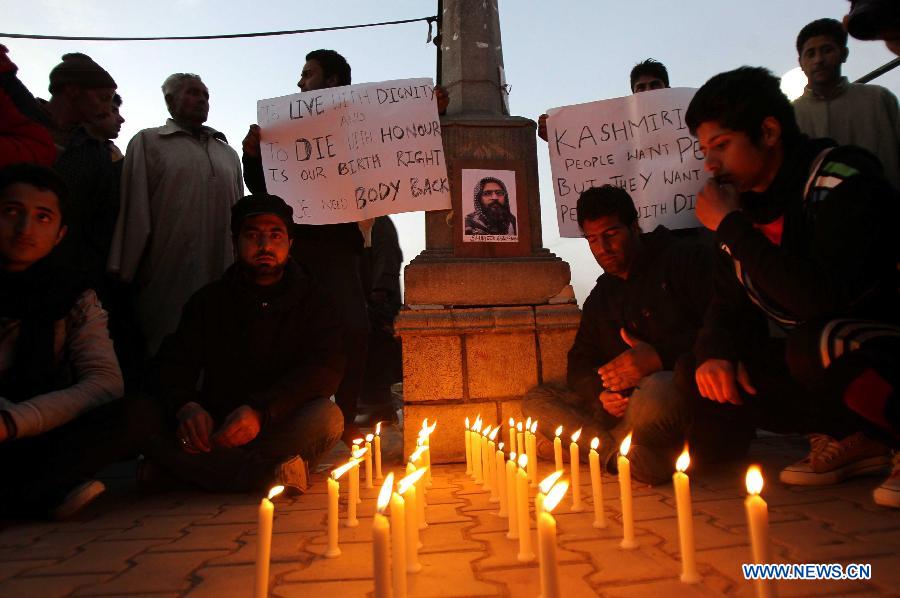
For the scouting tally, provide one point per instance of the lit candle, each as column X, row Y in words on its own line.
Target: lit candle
column 513, row 508
column 468, row 449
column 357, row 452
column 378, row 475
column 426, row 442
column 381, row 541
column 685, row 519
column 543, row 489
column 353, row 494
column 597, row 485
column 520, row 439
column 575, row 462
column 368, row 461
column 398, row 544
column 485, row 459
column 264, row 542
column 526, row 552
column 491, row 461
column 500, row 476
column 758, row 524
column 557, row 449
column 476, row 451
column 512, row 435
column 625, row 495
column 528, row 452
column 546, row 525
column 333, row 549
column 532, row 454
column 407, row 489
column 421, row 499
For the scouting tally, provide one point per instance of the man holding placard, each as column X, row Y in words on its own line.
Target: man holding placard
column 801, row 333
column 638, row 321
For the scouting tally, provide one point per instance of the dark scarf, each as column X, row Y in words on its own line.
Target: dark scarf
column 38, row 297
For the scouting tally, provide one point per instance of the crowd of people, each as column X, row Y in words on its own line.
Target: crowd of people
column 148, row 307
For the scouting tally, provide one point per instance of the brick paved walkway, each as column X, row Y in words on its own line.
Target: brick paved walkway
column 204, row 545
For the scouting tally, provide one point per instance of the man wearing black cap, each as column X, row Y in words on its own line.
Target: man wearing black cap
column 264, row 343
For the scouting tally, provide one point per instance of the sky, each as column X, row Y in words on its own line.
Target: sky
column 555, row 54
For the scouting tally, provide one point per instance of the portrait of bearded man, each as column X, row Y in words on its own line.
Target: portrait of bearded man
column 492, row 215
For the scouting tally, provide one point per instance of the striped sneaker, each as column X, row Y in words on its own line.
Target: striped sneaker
column 888, row 494
column 831, row 461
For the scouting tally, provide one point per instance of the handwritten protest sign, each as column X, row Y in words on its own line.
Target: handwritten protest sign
column 640, row 143
column 346, row 154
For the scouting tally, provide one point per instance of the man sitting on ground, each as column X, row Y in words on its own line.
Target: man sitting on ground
column 801, row 332
column 60, row 421
column 264, row 345
column 639, row 319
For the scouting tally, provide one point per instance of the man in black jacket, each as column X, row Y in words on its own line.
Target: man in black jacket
column 265, row 344
column 639, row 319
column 801, row 332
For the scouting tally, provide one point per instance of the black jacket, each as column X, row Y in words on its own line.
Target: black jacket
column 270, row 348
column 837, row 257
column 662, row 302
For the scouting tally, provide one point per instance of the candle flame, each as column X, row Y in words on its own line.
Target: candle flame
column 512, row 456
column 626, row 444
column 370, row 437
column 512, row 423
column 595, row 443
column 519, row 427
column 547, row 483
column 754, row 480
column 360, row 453
column 337, row 473
column 493, row 435
column 528, row 424
column 555, row 495
column 429, row 429
column 534, row 426
column 467, row 423
column 378, row 428
column 275, row 491
column 404, row 484
column 523, row 460
column 417, row 454
column 425, row 424
column 576, row 435
column 500, row 447
column 487, row 431
column 384, row 497
column 559, row 431
column 357, row 441
column 477, row 426
column 684, row 461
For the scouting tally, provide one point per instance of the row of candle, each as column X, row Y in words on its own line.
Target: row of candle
column 478, row 441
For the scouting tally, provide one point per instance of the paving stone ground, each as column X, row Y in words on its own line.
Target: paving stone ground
column 185, row 543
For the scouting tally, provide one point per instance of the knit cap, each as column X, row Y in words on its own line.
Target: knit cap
column 79, row 69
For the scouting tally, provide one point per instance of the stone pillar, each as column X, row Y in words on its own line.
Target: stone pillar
column 483, row 321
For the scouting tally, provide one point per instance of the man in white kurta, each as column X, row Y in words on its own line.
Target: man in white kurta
column 172, row 237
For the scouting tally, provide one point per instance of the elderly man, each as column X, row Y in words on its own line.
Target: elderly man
column 492, row 215
column 179, row 182
column 249, row 371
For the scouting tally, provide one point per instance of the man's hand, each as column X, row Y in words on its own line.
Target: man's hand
column 195, row 424
column 627, row 369
column 542, row 126
column 442, row 97
column 251, row 141
column 717, row 381
column 614, row 403
column 714, row 202
column 240, row 427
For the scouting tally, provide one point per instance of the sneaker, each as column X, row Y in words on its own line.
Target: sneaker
column 78, row 498
column 831, row 461
column 293, row 474
column 888, row 494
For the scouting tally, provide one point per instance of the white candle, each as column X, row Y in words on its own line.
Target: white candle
column 368, row 461
column 685, row 519
column 547, row 542
column 512, row 435
column 597, row 485
column 628, row 541
column 353, row 495
column 468, row 449
column 485, row 460
column 381, row 542
column 398, row 544
column 333, row 549
column 544, row 488
column 526, row 552
column 407, row 489
column 758, row 524
column 557, row 449
column 264, row 542
column 500, row 476
column 520, row 439
column 476, row 451
column 426, row 442
column 513, row 509
column 421, row 498
column 378, row 475
column 527, row 451
column 532, row 454
column 575, row 462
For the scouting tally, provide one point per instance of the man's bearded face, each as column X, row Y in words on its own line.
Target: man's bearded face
column 493, row 200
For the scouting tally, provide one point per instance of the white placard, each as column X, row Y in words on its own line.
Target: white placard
column 346, row 154
column 640, row 143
